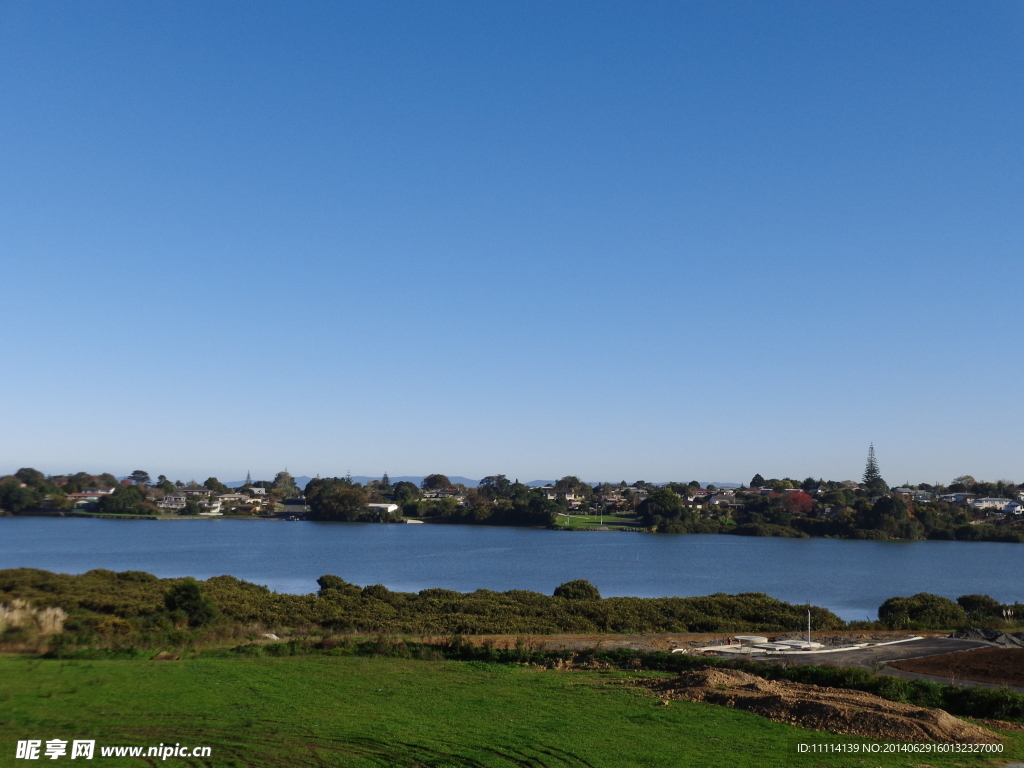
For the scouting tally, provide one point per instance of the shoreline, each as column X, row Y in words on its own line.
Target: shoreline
column 285, row 517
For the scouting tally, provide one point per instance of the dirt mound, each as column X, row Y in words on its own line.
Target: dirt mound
column 824, row 709
column 1002, row 666
column 1015, row 640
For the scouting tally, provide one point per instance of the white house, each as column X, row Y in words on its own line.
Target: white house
column 992, row 503
column 391, row 509
column 211, row 508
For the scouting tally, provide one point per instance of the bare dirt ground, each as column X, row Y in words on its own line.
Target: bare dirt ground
column 825, row 709
column 1002, row 666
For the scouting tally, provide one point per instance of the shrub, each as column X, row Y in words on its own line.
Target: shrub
column 921, row 611
column 580, row 589
column 187, row 596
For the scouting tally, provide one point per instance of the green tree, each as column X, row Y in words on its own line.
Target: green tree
column 921, row 611
column 756, row 481
column 14, row 498
column 495, row 487
column 125, row 500
column 285, row 483
column 435, row 483
column 188, row 598
column 872, row 476
column 884, row 515
column 980, row 607
column 571, row 483
column 215, row 485
column 337, row 584
column 334, row 499
column 139, row 477
column 33, row 478
column 405, row 492
column 662, row 504
column 385, row 483
column 580, row 589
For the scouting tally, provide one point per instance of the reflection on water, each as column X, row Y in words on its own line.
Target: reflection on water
column 850, row 577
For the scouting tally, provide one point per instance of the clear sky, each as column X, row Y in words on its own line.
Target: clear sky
column 621, row 240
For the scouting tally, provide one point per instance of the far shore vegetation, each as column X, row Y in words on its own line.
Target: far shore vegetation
column 964, row 510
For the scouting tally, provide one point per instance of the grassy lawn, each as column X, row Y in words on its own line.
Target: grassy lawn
column 575, row 521
column 353, row 711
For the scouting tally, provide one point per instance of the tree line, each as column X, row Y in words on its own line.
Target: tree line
column 137, row 494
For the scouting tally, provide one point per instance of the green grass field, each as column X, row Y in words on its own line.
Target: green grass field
column 375, row 711
column 588, row 521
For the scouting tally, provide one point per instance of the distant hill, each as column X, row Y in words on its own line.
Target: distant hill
column 539, row 483
column 302, row 480
column 418, row 479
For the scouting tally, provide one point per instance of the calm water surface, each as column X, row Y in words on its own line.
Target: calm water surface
column 850, row 577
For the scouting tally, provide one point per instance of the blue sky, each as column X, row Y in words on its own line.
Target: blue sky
column 622, row 240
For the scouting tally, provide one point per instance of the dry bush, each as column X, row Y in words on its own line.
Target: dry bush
column 19, row 613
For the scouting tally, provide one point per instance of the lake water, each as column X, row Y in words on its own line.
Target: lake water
column 851, row 578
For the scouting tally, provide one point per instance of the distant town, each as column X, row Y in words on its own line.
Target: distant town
column 966, row 509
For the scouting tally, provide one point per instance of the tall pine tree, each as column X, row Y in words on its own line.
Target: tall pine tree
column 872, row 477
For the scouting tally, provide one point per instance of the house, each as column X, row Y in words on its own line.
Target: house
column 228, row 498
column 991, row 503
column 195, row 491
column 87, row 497
column 211, row 508
column 175, row 502
column 960, row 499
column 903, row 493
column 259, row 491
column 574, row 498
column 390, row 509
column 441, row 493
column 725, row 501
column 84, row 499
